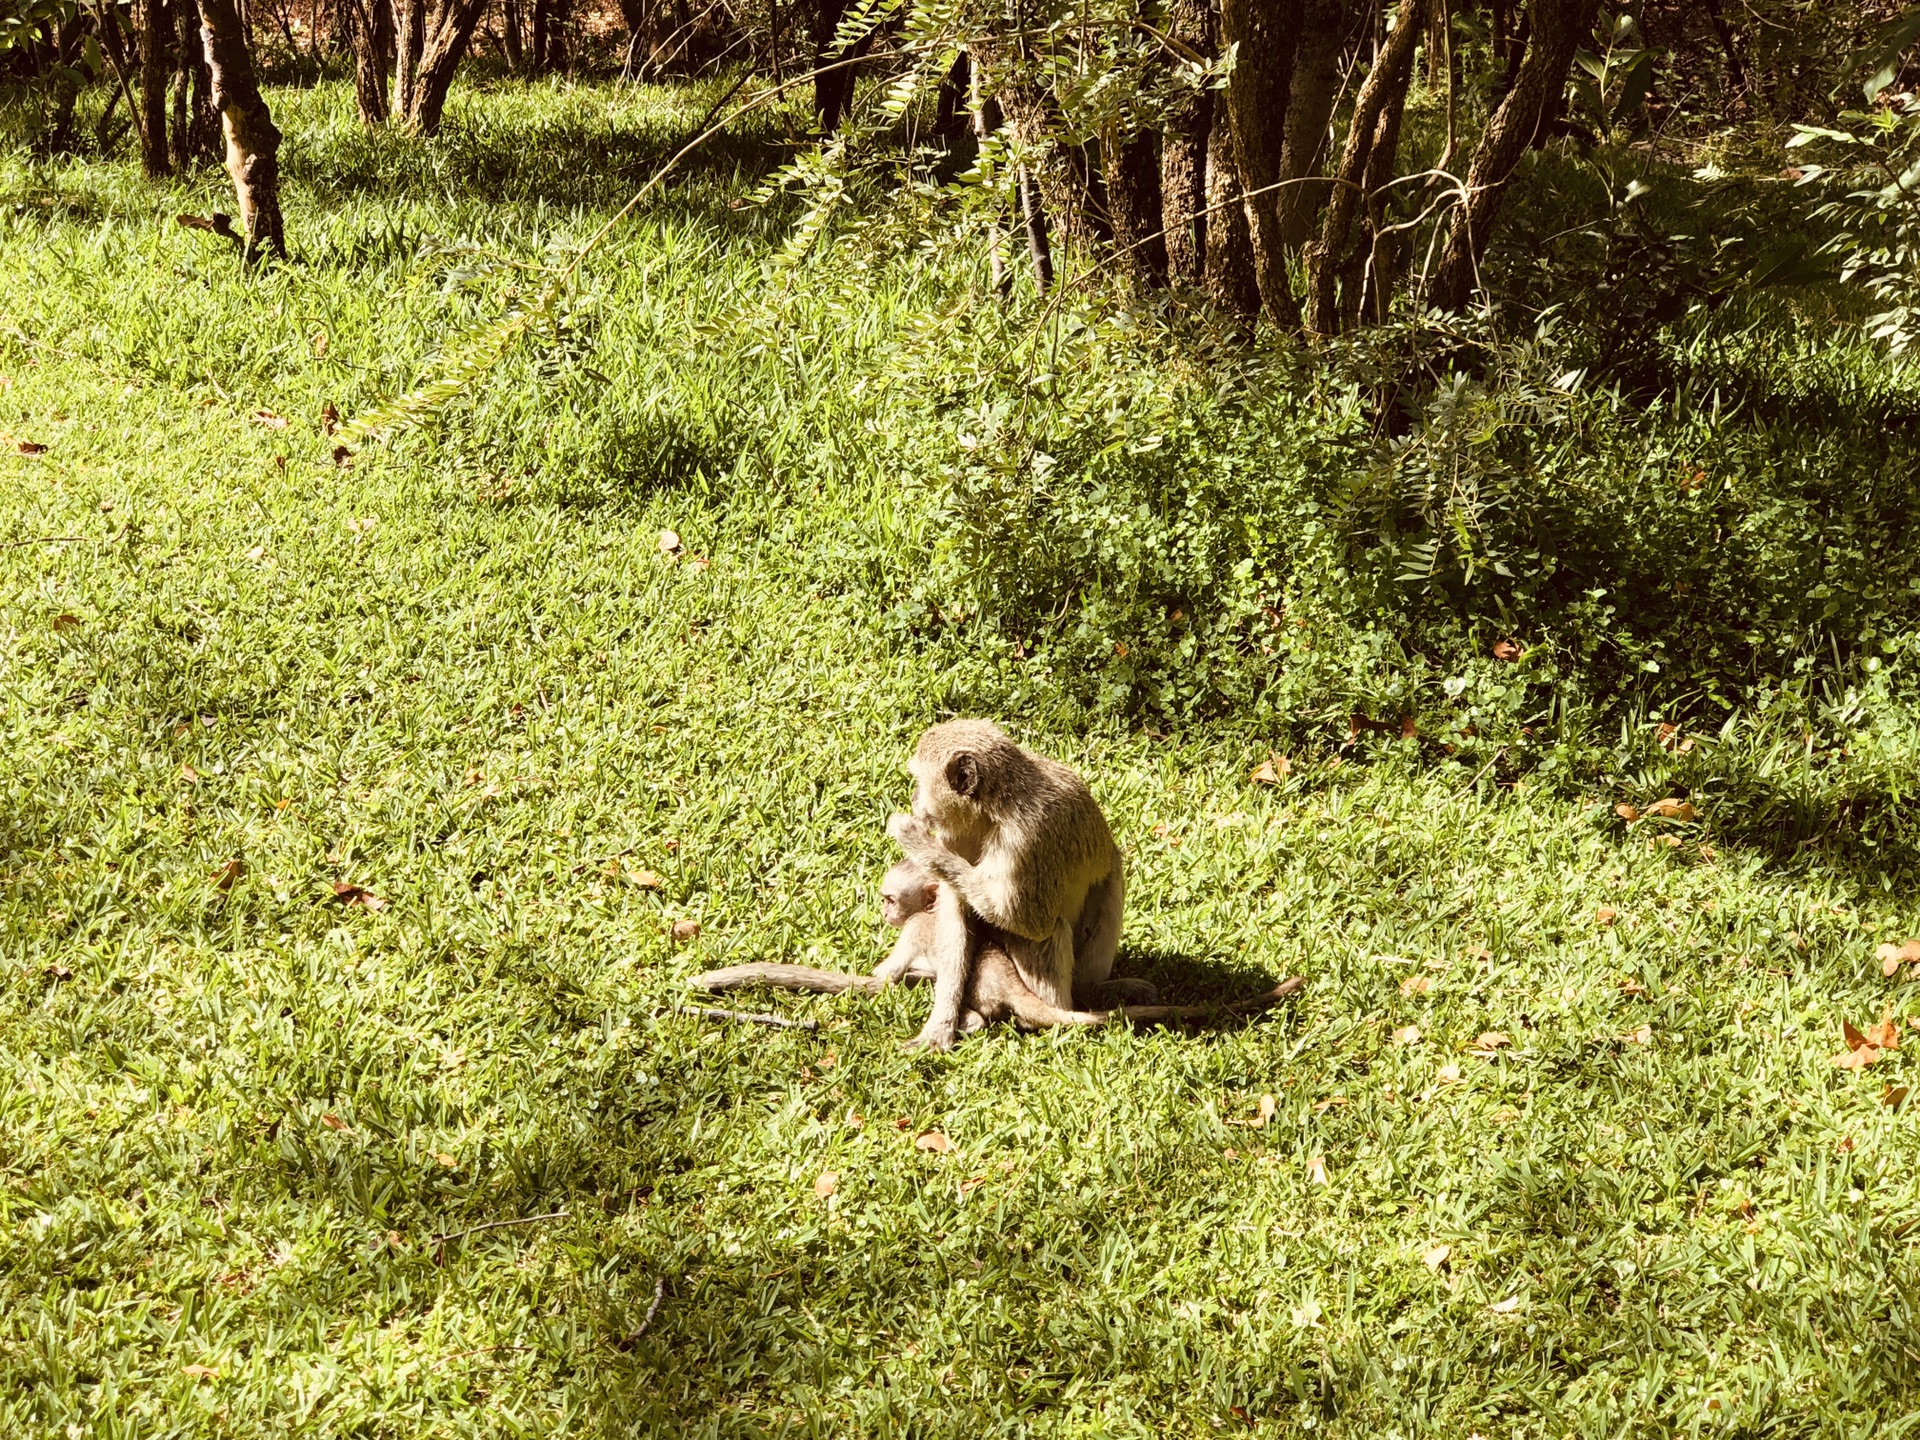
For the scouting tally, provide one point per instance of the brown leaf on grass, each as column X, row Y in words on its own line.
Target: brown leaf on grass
column 445, row 1159
column 972, row 1183
column 1407, row 1035
column 829, row 1180
column 1605, row 915
column 200, row 1372
column 1892, row 1096
column 1642, row 1036
column 29, row 447
column 684, row 930
column 1259, row 1122
column 318, row 341
column 669, row 543
column 329, row 418
column 1626, row 812
column 343, row 457
column 1409, row 728
column 1846, row 1145
column 1885, row 1035
column 1490, row 1040
column 933, row 1142
column 1416, row 985
column 1120, row 650
column 856, row 1120
column 351, row 895
column 1448, row 1074
column 1320, row 1107
column 333, row 1122
column 1633, row 990
column 63, row 622
column 1892, row 957
column 1434, row 1256
column 57, row 972
column 1507, row 650
column 1860, row 1052
column 1673, row 808
column 1317, row 1170
column 1852, row 1036
column 644, row 879
column 269, row 419
column 223, row 878
column 1271, row 770
column 189, row 775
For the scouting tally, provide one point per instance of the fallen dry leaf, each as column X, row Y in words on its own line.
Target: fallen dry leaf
column 1672, row 809
column 1317, row 1170
column 1852, row 1036
column 200, row 1372
column 1892, row 1096
column 63, row 622
column 972, row 1183
column 1490, row 1040
column 319, row 344
column 1642, row 1036
column 1506, row 1306
column 223, row 878
column 856, row 1120
column 1267, row 1106
column 343, row 457
column 446, row 1159
column 645, row 879
column 1506, row 650
column 1434, row 1256
column 1892, row 957
column 351, row 895
column 329, row 418
column 1416, row 985
column 669, row 543
column 1633, row 989
column 1885, row 1035
column 1120, row 650
column 29, row 447
column 933, row 1142
column 269, row 419
column 1407, row 1035
column 1271, row 769
column 686, row 929
column 1846, row 1145
column 1626, row 812
column 57, row 972
column 189, row 774
column 1448, row 1074
column 1606, row 915
column 333, row 1121
column 826, row 1184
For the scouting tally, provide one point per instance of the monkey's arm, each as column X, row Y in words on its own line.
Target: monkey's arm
column 1033, row 919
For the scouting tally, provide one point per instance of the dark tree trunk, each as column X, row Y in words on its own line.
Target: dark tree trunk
column 253, row 141
column 370, row 30
column 1134, row 201
column 1183, row 155
column 155, row 34
column 450, row 26
column 950, row 104
column 512, row 43
column 196, row 127
column 1033, row 212
column 1229, row 247
column 1382, row 94
column 549, row 35
column 1557, row 26
column 1267, row 33
column 833, row 89
column 1316, row 82
column 1070, row 188
column 1736, row 72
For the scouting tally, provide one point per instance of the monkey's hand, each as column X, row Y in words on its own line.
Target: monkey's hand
column 922, row 845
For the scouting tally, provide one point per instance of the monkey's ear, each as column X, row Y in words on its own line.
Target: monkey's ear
column 963, row 774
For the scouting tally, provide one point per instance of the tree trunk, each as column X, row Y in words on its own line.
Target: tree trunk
column 1229, row 247
column 253, row 141
column 1384, row 91
column 833, row 89
column 950, row 103
column 370, row 30
column 986, row 120
column 1069, row 183
column 155, row 33
column 409, row 32
column 450, row 27
column 1183, row 155
column 1134, row 201
column 1033, row 212
column 512, row 44
column 1267, row 33
column 1316, row 82
column 1555, row 32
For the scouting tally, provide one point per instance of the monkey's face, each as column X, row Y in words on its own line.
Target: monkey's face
column 900, row 901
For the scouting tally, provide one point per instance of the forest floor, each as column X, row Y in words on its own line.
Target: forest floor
column 352, row 807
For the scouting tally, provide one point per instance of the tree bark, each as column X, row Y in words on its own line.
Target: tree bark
column 1267, row 33
column 155, row 33
column 1039, row 248
column 1316, row 82
column 1229, row 247
column 253, row 141
column 1183, row 155
column 409, row 31
column 1384, row 91
column 370, row 30
column 191, row 138
column 450, row 27
column 1554, row 33
column 513, row 44
column 1135, row 203
column 833, row 89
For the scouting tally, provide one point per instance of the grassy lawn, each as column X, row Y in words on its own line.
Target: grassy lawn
column 350, row 810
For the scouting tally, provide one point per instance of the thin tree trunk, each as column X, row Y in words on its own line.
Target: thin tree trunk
column 409, row 28
column 832, row 89
column 1386, row 86
column 1736, row 72
column 1316, row 81
column 253, row 141
column 1229, row 251
column 1134, row 200
column 1557, row 26
column 155, row 32
column 1267, row 33
column 1183, row 155
column 369, row 29
column 950, row 103
column 512, row 43
column 542, row 35
column 986, row 120
column 452, row 24
column 1033, row 212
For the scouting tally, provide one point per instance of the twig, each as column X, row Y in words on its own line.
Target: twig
column 659, row 1294
column 1497, row 753
column 46, row 540
column 779, row 1022
column 440, row 1242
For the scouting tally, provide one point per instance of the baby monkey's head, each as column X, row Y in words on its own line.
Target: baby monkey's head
column 905, row 892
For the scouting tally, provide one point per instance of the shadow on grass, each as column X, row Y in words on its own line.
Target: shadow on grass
column 1192, row 980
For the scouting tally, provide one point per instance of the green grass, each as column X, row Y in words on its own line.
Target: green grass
column 462, row 675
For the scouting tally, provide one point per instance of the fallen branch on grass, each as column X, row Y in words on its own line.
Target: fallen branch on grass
column 778, row 1021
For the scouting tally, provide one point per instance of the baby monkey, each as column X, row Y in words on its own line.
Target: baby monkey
column 908, row 896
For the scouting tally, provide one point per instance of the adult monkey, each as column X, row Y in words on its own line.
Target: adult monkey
column 1018, row 840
